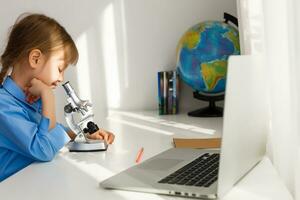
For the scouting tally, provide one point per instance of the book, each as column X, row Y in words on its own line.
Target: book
column 165, row 87
column 198, row 143
column 160, row 92
column 168, row 87
column 175, row 92
column 170, row 92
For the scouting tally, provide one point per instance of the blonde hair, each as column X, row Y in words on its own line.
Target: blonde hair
column 36, row 31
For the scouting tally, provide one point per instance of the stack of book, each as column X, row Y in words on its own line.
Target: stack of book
column 168, row 87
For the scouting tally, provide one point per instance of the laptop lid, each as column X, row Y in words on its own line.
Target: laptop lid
column 245, row 120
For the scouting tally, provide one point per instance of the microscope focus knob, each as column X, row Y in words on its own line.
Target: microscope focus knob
column 68, row 108
column 86, row 130
column 91, row 127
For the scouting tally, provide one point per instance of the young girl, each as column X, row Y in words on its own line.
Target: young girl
column 38, row 51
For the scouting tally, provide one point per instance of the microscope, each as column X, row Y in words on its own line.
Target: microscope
column 79, row 117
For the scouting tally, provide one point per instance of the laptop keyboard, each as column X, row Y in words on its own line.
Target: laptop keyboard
column 201, row 172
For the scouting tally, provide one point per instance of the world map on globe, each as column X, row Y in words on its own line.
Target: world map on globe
column 202, row 55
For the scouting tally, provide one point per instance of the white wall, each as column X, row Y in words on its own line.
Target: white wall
column 122, row 45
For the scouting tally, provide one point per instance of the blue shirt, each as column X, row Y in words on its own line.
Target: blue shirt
column 24, row 134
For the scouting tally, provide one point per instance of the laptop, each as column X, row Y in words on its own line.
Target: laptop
column 210, row 173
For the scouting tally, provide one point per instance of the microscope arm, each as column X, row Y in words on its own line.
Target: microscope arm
column 71, row 123
column 79, row 136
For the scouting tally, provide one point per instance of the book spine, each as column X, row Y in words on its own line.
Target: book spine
column 174, row 99
column 170, row 92
column 162, row 92
column 160, row 99
column 177, row 92
column 165, row 81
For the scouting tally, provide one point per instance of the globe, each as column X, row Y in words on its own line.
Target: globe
column 202, row 55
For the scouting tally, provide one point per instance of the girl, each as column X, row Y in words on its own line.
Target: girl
column 38, row 51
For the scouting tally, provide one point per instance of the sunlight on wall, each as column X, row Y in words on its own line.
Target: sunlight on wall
column 83, row 77
column 297, row 178
column 125, row 45
column 110, row 57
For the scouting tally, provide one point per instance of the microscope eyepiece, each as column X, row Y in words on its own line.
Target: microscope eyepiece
column 68, row 88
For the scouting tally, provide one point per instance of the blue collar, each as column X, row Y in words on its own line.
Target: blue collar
column 10, row 86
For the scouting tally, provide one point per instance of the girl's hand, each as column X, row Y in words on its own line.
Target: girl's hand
column 35, row 90
column 102, row 135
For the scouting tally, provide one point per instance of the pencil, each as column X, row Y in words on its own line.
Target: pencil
column 139, row 155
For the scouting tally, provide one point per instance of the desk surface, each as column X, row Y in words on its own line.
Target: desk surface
column 77, row 175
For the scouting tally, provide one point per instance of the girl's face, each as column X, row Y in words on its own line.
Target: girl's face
column 52, row 71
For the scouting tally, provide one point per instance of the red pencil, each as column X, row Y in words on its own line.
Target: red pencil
column 139, row 155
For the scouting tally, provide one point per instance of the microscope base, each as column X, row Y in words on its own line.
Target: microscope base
column 87, row 147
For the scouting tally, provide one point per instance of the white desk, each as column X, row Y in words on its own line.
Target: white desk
column 76, row 175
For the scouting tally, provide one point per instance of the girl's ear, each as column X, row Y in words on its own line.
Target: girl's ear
column 35, row 58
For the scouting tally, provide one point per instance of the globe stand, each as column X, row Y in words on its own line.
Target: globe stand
column 212, row 110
